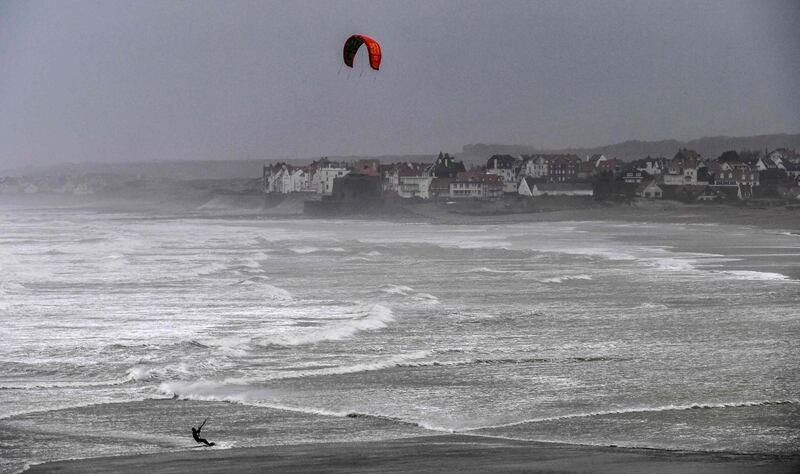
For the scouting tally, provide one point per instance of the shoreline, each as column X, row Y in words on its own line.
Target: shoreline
column 439, row 453
column 210, row 204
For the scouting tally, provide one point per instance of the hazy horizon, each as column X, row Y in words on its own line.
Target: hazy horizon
column 150, row 81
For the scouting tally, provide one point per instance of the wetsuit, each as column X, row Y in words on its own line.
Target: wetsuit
column 196, row 436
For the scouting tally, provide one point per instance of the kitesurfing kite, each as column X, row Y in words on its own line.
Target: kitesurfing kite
column 351, row 48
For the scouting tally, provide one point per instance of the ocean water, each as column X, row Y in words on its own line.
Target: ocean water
column 120, row 331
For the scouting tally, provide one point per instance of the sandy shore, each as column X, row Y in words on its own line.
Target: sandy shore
column 447, row 453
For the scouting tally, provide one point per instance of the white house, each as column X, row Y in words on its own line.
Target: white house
column 536, row 166
column 649, row 190
column 775, row 162
column 529, row 187
column 681, row 176
column 414, row 186
column 653, row 166
column 476, row 185
column 506, row 167
column 326, row 172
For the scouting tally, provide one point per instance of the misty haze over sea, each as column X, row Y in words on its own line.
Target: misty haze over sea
column 473, row 154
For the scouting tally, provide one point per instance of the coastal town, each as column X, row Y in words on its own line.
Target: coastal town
column 732, row 177
column 766, row 178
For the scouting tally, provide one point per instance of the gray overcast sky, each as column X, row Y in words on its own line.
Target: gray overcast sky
column 150, row 80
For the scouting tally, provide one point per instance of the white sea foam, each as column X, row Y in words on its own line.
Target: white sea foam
column 253, row 280
column 209, row 269
column 67, row 406
column 307, row 250
column 397, row 290
column 492, row 270
column 62, row 384
column 398, row 360
column 266, row 290
column 263, row 397
column 652, row 306
column 642, row 409
column 304, row 250
column 675, row 264
column 426, row 297
column 366, row 318
column 564, row 278
column 752, row 275
column 144, row 372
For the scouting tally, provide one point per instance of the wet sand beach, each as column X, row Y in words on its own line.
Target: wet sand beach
column 447, row 453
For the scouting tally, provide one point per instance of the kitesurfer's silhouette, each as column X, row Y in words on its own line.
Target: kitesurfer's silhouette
column 196, row 435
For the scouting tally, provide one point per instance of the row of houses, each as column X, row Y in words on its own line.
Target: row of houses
column 687, row 167
column 730, row 176
column 542, row 174
column 444, row 178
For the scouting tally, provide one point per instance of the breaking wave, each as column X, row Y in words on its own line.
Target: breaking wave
column 752, row 275
column 399, row 360
column 562, row 279
column 307, row 250
column 140, row 372
column 491, row 270
column 259, row 283
column 397, row 290
column 367, row 318
column 426, row 298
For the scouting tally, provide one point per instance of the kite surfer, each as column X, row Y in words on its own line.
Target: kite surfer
column 196, row 435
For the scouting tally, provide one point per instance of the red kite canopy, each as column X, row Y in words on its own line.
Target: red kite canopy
column 351, row 48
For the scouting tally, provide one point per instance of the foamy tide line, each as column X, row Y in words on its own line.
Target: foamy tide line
column 663, row 408
column 503, row 361
column 201, row 391
column 68, row 406
column 368, row 318
column 65, row 384
column 399, row 360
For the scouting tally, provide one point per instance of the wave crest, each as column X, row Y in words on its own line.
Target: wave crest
column 623, row 411
column 564, row 278
column 367, row 318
